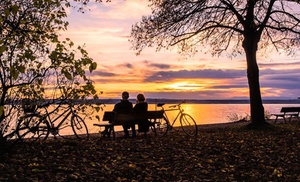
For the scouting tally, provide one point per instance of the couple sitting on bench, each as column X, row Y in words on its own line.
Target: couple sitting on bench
column 125, row 106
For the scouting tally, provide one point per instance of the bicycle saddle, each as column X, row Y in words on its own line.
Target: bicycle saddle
column 160, row 104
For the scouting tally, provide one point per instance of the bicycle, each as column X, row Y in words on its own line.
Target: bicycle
column 187, row 122
column 37, row 127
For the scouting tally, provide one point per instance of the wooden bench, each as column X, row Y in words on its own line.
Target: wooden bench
column 114, row 119
column 287, row 112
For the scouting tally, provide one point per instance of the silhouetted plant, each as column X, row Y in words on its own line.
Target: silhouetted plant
column 35, row 63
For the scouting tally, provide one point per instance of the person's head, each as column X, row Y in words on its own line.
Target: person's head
column 140, row 98
column 125, row 95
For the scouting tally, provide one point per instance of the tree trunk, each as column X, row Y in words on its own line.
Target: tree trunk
column 256, row 106
column 4, row 90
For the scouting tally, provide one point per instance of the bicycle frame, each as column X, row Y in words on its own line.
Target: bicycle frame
column 176, row 107
column 177, row 116
column 63, row 116
column 187, row 122
column 38, row 125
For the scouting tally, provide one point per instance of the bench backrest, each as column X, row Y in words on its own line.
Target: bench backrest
column 108, row 116
column 290, row 109
column 115, row 117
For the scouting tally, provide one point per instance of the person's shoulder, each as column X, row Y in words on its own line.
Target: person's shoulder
column 118, row 103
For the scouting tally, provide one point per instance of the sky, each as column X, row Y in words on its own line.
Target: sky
column 105, row 31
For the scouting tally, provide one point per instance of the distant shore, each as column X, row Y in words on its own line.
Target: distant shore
column 188, row 101
column 204, row 101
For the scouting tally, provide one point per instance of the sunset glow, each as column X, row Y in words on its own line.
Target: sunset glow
column 105, row 30
column 184, row 86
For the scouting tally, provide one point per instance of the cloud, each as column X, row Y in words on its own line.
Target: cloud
column 203, row 94
column 231, row 86
column 186, row 74
column 277, row 66
column 160, row 66
column 126, row 65
column 297, row 63
column 103, row 73
column 281, row 79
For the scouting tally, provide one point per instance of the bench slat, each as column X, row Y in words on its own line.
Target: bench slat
column 290, row 109
column 108, row 116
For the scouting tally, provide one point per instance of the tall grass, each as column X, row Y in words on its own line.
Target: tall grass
column 233, row 117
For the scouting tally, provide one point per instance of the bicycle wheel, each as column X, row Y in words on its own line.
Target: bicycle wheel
column 33, row 127
column 188, row 124
column 160, row 126
column 79, row 127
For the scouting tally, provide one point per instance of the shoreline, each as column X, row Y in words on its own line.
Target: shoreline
column 204, row 101
column 201, row 127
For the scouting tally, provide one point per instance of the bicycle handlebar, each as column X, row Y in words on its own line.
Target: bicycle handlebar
column 43, row 105
column 54, row 102
column 172, row 106
column 176, row 105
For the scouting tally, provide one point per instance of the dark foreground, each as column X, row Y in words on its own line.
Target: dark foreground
column 216, row 154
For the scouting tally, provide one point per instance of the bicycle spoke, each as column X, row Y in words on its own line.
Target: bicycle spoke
column 160, row 127
column 188, row 125
column 32, row 128
column 79, row 127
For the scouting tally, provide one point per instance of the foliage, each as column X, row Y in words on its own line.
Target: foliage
column 82, row 6
column 219, row 24
column 217, row 154
column 35, row 63
column 236, row 26
column 267, row 114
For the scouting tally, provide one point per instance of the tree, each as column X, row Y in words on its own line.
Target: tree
column 34, row 63
column 237, row 26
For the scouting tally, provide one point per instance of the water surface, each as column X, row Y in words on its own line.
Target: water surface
column 206, row 113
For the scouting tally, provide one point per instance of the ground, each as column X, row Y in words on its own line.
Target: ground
column 227, row 153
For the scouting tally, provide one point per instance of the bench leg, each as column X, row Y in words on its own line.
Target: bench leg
column 114, row 134
column 107, row 131
column 152, row 126
column 277, row 119
column 284, row 119
column 297, row 117
column 290, row 119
